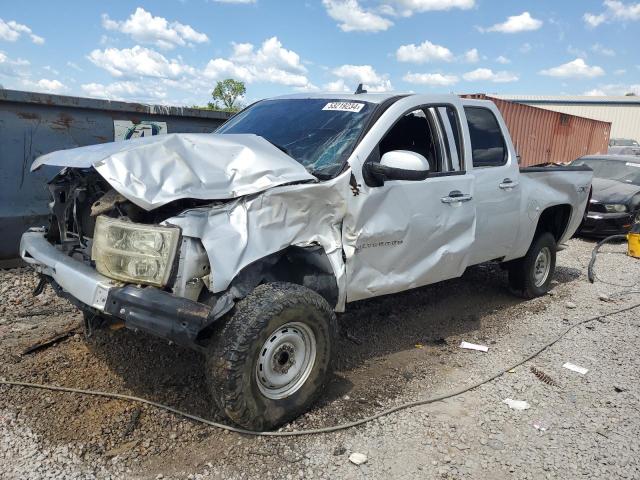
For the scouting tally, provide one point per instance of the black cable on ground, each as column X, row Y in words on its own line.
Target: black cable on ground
column 590, row 270
column 334, row 428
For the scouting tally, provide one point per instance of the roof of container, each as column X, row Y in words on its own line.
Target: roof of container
column 622, row 158
column 19, row 96
column 578, row 99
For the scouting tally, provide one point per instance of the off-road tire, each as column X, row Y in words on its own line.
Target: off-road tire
column 233, row 355
column 522, row 271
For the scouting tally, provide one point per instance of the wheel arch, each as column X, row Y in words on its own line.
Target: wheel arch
column 555, row 220
column 308, row 266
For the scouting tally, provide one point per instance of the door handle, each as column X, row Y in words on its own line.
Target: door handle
column 508, row 184
column 456, row 196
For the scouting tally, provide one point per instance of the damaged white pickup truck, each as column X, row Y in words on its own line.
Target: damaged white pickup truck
column 243, row 243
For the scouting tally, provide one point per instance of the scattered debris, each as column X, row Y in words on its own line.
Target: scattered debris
column 513, row 370
column 570, row 305
column 47, row 311
column 352, row 338
column 42, row 344
column 121, row 449
column 419, row 345
column 473, row 346
column 339, row 451
column 538, row 425
column 517, row 404
column 358, row 458
column 133, row 422
column 619, row 389
column 543, row 377
column 575, row 368
column 604, row 298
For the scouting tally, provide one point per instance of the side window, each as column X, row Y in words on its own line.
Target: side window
column 420, row 131
column 487, row 143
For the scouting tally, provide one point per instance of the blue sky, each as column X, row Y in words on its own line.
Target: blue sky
column 173, row 52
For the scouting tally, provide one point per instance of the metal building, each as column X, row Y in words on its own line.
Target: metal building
column 541, row 136
column 32, row 124
column 622, row 112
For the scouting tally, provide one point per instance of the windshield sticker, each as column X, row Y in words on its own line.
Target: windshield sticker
column 344, row 106
column 630, row 164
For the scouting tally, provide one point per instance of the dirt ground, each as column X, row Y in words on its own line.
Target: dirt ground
column 398, row 349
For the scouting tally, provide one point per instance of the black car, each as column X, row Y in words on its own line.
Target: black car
column 615, row 203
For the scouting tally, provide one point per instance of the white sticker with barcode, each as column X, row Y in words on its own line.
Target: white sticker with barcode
column 344, row 106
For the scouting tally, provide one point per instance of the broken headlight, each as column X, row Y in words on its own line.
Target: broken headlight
column 615, row 207
column 133, row 252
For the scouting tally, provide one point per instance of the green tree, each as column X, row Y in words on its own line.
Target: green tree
column 226, row 95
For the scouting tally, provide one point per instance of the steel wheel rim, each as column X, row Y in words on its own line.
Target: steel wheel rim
column 285, row 360
column 542, row 267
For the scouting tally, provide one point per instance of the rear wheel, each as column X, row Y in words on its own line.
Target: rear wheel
column 531, row 275
column 270, row 361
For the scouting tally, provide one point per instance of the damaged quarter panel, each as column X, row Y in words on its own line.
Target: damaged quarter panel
column 248, row 229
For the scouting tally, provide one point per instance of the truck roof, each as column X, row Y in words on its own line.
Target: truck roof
column 352, row 97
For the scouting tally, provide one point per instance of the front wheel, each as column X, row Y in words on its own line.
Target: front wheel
column 270, row 361
column 531, row 276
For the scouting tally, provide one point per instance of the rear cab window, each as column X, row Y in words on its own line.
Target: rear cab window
column 487, row 141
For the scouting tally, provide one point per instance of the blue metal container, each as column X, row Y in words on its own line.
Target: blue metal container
column 32, row 124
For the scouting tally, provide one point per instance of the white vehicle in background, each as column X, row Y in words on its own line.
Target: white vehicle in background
column 243, row 243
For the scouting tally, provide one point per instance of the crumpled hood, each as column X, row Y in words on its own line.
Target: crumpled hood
column 154, row 171
column 612, row 191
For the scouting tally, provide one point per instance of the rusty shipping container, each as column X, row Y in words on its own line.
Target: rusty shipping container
column 542, row 136
column 32, row 124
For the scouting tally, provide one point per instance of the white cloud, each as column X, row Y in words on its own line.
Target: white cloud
column 270, row 63
column 472, row 56
column 488, row 75
column 594, row 20
column 365, row 74
column 13, row 68
column 433, row 79
column 127, row 90
column 143, row 27
column 576, row 52
column 602, row 50
column 352, row 17
column 12, row 31
column 503, row 60
column 515, row 24
column 338, row 86
column 615, row 89
column 525, row 48
column 407, row 8
column 44, row 85
column 577, row 68
column 235, row 1
column 615, row 10
column 138, row 61
column 74, row 66
column 620, row 71
column 425, row 52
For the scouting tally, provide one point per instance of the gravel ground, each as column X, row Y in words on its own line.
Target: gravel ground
column 407, row 348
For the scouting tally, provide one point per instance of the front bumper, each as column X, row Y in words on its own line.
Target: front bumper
column 76, row 278
column 605, row 224
column 148, row 309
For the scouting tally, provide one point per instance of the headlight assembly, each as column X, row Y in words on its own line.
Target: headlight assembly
column 615, row 207
column 133, row 252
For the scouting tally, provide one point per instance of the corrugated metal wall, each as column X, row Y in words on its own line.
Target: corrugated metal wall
column 624, row 119
column 542, row 136
column 32, row 124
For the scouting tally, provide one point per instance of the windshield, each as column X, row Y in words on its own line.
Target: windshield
column 318, row 133
column 623, row 142
column 619, row 170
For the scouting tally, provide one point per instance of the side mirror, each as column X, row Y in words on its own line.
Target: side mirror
column 399, row 165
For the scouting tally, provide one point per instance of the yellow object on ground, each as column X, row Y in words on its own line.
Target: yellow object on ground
column 633, row 238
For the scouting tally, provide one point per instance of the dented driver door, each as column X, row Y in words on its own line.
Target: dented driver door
column 407, row 233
